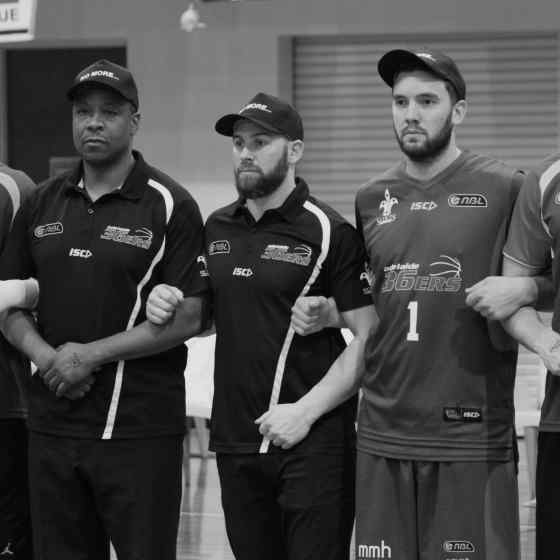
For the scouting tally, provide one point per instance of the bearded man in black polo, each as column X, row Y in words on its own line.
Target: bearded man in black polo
column 284, row 406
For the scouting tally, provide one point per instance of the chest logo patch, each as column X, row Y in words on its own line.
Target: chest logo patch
column 427, row 206
column 386, row 207
column 300, row 255
column 203, row 266
column 243, row 272
column 458, row 546
column 467, row 201
column 221, row 247
column 444, row 276
column 367, row 278
column 140, row 237
column 48, row 229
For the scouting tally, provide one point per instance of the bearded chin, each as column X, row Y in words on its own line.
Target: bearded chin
column 432, row 147
column 259, row 185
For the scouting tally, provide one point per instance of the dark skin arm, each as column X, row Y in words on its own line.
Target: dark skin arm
column 75, row 362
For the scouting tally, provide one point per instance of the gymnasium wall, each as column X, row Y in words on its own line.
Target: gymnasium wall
column 186, row 80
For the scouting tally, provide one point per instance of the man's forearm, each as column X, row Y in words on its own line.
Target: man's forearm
column 526, row 327
column 345, row 374
column 340, row 382
column 20, row 329
column 146, row 338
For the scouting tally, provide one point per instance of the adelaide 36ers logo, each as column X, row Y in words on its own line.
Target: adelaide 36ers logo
column 386, row 207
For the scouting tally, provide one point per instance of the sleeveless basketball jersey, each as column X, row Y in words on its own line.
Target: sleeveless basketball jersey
column 435, row 387
column 534, row 241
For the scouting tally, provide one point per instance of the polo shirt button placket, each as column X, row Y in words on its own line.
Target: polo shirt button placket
column 90, row 211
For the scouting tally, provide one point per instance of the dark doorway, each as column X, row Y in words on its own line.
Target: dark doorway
column 38, row 114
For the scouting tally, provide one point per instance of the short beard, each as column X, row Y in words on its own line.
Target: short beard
column 258, row 186
column 432, row 147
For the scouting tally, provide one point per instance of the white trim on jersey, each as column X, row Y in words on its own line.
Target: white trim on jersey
column 9, row 183
column 518, row 261
column 110, row 423
column 281, row 364
column 544, row 182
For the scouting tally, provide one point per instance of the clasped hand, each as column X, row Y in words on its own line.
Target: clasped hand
column 70, row 371
column 284, row 425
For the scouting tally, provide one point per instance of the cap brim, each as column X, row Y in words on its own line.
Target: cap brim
column 392, row 62
column 226, row 124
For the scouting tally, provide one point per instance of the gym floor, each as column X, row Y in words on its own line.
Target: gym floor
column 202, row 533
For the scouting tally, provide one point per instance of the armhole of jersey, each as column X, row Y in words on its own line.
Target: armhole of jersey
column 544, row 182
column 12, row 189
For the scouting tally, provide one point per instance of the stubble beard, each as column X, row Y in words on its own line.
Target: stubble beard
column 431, row 148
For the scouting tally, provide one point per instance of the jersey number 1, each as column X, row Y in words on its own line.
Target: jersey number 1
column 412, row 334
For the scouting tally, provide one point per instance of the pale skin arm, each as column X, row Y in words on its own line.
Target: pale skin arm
column 312, row 314
column 74, row 362
column 162, row 303
column 287, row 424
column 527, row 328
column 23, row 294
column 498, row 297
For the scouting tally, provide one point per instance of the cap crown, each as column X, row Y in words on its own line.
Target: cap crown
column 107, row 74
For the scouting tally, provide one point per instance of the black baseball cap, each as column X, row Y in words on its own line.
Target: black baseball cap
column 267, row 111
column 391, row 63
column 107, row 74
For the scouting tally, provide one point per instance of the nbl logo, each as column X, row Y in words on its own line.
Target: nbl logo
column 458, row 546
column 467, row 201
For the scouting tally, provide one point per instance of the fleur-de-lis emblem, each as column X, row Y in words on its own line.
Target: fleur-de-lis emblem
column 386, row 207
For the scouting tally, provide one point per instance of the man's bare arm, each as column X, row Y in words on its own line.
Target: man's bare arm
column 527, row 328
column 74, row 361
column 285, row 425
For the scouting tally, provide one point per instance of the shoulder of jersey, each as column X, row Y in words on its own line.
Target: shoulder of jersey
column 329, row 211
column 548, row 171
column 178, row 191
column 484, row 165
column 22, row 180
column 222, row 210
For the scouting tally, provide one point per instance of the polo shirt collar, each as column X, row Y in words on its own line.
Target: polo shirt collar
column 133, row 186
column 289, row 209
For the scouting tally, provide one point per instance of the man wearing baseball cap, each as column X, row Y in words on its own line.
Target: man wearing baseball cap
column 436, row 470
column 284, row 406
column 436, row 457
column 108, row 465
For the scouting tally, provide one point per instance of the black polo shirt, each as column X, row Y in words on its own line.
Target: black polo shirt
column 96, row 263
column 257, row 271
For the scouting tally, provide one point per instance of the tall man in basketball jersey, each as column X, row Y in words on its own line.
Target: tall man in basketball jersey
column 532, row 247
column 436, row 473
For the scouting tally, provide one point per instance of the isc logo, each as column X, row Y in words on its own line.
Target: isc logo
column 82, row 253
column 246, row 272
column 428, row 205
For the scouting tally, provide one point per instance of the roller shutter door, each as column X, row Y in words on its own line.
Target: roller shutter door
column 512, row 93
